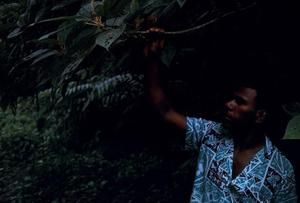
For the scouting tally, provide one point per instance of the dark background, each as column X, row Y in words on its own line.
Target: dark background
column 112, row 155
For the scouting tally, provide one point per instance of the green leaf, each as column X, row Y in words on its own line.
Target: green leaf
column 76, row 90
column 181, row 3
column 73, row 65
column 88, row 10
column 292, row 108
column 63, row 4
column 46, row 36
column 35, row 54
column 91, row 184
column 40, row 14
column 52, row 20
column 44, row 56
column 118, row 21
column 82, row 39
column 107, row 38
column 168, row 54
column 134, row 6
column 7, row 8
column 79, row 57
column 112, row 8
column 293, row 129
column 65, row 29
column 16, row 32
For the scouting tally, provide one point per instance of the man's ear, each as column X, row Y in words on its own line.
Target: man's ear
column 261, row 116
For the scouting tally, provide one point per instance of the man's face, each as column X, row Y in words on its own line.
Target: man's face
column 240, row 109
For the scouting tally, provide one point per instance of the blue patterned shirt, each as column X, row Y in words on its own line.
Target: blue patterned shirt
column 269, row 177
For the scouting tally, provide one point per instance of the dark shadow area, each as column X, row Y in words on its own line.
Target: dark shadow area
column 288, row 148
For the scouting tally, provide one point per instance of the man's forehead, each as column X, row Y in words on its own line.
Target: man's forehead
column 247, row 93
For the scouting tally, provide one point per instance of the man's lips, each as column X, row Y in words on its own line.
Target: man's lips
column 227, row 118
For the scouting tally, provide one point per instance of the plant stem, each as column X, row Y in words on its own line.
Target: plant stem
column 198, row 27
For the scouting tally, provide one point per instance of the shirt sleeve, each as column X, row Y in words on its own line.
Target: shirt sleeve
column 287, row 192
column 196, row 131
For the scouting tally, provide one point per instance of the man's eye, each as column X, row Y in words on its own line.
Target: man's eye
column 239, row 100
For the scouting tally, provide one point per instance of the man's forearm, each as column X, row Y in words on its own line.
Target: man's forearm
column 154, row 88
column 157, row 96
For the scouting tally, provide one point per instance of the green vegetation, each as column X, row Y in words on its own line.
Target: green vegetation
column 40, row 165
column 74, row 124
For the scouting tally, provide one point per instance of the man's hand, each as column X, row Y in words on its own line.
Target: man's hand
column 156, row 43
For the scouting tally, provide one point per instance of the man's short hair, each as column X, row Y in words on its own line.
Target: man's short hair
column 264, row 91
column 267, row 99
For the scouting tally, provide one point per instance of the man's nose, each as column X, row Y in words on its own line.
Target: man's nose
column 229, row 105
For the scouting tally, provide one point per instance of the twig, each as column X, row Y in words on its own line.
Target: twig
column 198, row 27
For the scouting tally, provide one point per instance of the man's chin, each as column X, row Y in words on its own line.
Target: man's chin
column 227, row 123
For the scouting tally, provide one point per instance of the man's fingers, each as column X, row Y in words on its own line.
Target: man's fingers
column 161, row 43
column 156, row 30
column 156, row 41
column 154, row 46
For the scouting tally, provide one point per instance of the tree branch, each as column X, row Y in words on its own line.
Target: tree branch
column 198, row 27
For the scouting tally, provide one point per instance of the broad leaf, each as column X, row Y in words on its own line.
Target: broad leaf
column 61, row 18
column 46, row 36
column 6, row 8
column 134, row 6
column 181, row 3
column 88, row 10
column 19, row 31
column 118, row 21
column 40, row 14
column 35, row 54
column 112, row 8
column 168, row 54
column 78, row 58
column 72, row 66
column 82, row 39
column 64, row 30
column 107, row 38
column 293, row 129
column 63, row 4
column 44, row 56
column 15, row 33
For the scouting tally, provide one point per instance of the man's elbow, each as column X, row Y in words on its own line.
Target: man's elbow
column 176, row 119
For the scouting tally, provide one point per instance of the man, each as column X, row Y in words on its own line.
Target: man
column 237, row 162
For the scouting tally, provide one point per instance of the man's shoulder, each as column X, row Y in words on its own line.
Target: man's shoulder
column 203, row 123
column 280, row 177
column 200, row 131
column 280, row 157
column 281, row 163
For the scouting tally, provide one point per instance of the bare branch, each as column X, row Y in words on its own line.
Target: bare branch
column 198, row 27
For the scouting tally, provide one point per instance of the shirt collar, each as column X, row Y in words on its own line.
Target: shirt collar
column 243, row 182
column 269, row 148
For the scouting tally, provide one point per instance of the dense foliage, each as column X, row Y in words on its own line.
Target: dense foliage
column 78, row 127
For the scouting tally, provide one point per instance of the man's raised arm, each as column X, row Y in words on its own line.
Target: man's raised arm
column 155, row 92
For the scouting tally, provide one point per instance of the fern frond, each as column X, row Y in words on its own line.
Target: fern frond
column 108, row 92
column 119, row 90
column 74, row 90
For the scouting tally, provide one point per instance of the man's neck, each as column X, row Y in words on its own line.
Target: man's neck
column 247, row 139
